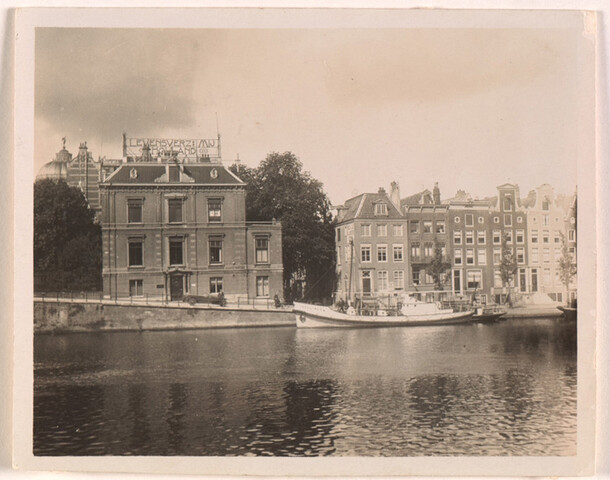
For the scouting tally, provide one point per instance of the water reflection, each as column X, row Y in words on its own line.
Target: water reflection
column 504, row 389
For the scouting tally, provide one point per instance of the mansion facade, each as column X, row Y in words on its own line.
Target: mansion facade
column 385, row 243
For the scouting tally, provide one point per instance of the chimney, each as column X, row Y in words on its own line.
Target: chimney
column 436, row 193
column 395, row 194
column 381, row 190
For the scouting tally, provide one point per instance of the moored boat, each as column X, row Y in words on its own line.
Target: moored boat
column 411, row 313
column 568, row 313
column 488, row 314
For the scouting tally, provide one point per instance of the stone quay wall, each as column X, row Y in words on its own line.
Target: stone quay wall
column 79, row 316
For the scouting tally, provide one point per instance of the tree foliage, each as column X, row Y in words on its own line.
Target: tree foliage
column 67, row 241
column 438, row 267
column 566, row 266
column 279, row 189
column 508, row 264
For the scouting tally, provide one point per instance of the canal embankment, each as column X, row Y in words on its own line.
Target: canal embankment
column 66, row 315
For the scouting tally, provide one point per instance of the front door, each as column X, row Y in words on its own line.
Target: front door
column 176, row 287
column 366, row 283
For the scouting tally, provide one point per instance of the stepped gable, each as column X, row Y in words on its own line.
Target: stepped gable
column 141, row 173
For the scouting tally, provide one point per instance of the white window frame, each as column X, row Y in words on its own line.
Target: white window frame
column 457, row 235
column 382, row 248
column 482, row 256
column 395, row 249
column 368, row 249
column 365, row 230
column 382, row 229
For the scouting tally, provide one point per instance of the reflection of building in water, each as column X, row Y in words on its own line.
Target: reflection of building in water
column 81, row 171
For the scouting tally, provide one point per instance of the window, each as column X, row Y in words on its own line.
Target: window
column 176, row 256
column 429, row 279
column 508, row 235
column 557, row 237
column 457, row 238
column 382, row 281
column 262, row 250
column 134, row 211
column 497, row 256
column 497, row 279
column 397, row 253
column 399, row 279
column 428, row 249
column 440, row 227
column 382, row 253
column 382, row 230
column 443, row 249
column 520, row 236
column 519, row 219
column 520, row 255
column 474, row 279
column 216, row 251
column 457, row 257
column 414, row 226
column 546, row 278
column 470, row 256
column 175, row 210
column 136, row 288
column 545, row 205
column 535, row 258
column 481, row 220
column 469, row 219
column 365, row 230
column 338, row 255
column 557, row 253
column 522, row 280
column 572, row 235
column 546, row 255
column 416, row 278
column 415, row 251
column 135, row 253
column 534, row 219
column 508, row 202
column 339, row 234
column 482, row 256
column 496, row 219
column 508, row 219
column 214, row 210
column 534, row 236
column 545, row 236
column 469, row 237
column 365, row 253
column 215, row 284
column 262, row 286
column 481, row 238
column 397, row 230
column 427, row 227
column 456, row 219
column 545, row 220
column 381, row 209
column 497, row 237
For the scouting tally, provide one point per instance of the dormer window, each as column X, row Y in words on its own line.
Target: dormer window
column 508, row 202
column 381, row 209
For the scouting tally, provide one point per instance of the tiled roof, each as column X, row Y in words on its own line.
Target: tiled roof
column 147, row 173
column 414, row 199
column 363, row 206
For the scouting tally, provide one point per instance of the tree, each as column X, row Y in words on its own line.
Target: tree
column 508, row 264
column 67, row 241
column 566, row 266
column 279, row 189
column 438, row 267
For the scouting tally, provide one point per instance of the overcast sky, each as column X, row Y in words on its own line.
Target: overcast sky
column 469, row 108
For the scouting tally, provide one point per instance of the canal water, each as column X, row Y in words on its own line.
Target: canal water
column 502, row 389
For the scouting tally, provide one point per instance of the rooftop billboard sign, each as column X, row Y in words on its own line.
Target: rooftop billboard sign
column 166, row 147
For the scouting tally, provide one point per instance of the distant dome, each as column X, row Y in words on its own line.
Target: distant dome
column 54, row 170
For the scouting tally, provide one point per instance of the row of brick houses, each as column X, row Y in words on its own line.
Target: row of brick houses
column 393, row 242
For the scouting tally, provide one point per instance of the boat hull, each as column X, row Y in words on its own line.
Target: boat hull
column 568, row 313
column 314, row 316
column 487, row 317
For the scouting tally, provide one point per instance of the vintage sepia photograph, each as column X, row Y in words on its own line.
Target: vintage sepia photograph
column 280, row 234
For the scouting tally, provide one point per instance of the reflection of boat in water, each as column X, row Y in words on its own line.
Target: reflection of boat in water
column 371, row 313
column 568, row 313
column 488, row 314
